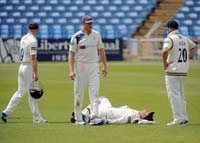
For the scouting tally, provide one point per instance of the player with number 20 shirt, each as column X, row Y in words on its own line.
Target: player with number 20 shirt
column 176, row 52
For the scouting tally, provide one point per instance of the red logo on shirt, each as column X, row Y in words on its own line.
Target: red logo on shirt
column 82, row 47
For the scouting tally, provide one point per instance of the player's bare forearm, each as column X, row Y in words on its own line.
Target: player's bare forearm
column 104, row 61
column 192, row 52
column 34, row 67
column 164, row 54
column 71, row 65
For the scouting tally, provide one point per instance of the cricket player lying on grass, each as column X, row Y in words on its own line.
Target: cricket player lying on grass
column 120, row 115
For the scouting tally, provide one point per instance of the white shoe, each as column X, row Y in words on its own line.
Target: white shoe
column 80, row 123
column 39, row 120
column 96, row 121
column 184, row 122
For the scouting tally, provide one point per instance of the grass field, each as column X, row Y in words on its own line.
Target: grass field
column 136, row 84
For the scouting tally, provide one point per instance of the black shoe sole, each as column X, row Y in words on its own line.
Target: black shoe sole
column 98, row 124
column 3, row 119
column 184, row 122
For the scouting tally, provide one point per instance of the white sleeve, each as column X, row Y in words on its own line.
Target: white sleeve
column 73, row 44
column 33, row 48
column 122, row 120
column 167, row 43
column 100, row 43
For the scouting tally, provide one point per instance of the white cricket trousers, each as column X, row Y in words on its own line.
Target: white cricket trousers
column 87, row 74
column 104, row 106
column 25, row 77
column 175, row 90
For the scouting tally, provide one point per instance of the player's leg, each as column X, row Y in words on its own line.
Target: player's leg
column 94, row 89
column 33, row 103
column 14, row 101
column 174, row 95
column 86, row 114
column 104, row 105
column 86, row 111
column 78, row 102
column 182, row 100
column 79, row 88
column 94, row 94
column 37, row 118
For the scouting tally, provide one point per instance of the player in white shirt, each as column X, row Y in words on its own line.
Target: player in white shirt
column 85, row 46
column 26, row 75
column 120, row 115
column 176, row 52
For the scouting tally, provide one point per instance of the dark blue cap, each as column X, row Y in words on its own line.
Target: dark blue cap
column 172, row 24
column 33, row 26
column 87, row 19
column 149, row 117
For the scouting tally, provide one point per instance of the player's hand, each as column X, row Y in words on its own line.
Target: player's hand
column 104, row 72
column 72, row 76
column 166, row 64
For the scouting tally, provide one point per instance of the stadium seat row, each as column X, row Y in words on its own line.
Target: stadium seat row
column 66, row 31
column 65, row 8
column 113, row 18
column 76, row 2
column 53, row 16
column 188, row 17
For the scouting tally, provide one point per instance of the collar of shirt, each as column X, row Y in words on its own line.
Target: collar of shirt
column 29, row 34
column 86, row 33
column 173, row 32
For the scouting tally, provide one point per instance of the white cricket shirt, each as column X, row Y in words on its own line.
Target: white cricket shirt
column 28, row 47
column 86, row 46
column 179, row 47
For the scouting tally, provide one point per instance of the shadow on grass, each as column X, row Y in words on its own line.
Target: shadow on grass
column 194, row 124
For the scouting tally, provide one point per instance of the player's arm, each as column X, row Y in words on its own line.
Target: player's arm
column 34, row 66
column 71, row 57
column 192, row 48
column 102, row 55
column 192, row 51
column 120, row 120
column 71, row 65
column 164, row 54
column 33, row 52
column 104, row 61
column 166, row 48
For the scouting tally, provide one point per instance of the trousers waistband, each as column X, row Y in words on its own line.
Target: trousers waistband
column 26, row 63
column 175, row 74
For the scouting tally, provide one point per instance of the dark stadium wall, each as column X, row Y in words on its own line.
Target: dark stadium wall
column 55, row 50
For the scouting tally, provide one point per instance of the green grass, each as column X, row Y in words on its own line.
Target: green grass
column 136, row 84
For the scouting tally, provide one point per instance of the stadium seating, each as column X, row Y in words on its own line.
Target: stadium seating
column 188, row 18
column 61, row 18
column 4, row 31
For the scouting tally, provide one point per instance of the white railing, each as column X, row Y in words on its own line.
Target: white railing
column 149, row 48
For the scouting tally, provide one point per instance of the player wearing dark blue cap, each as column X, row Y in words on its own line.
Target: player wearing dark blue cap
column 27, row 74
column 176, row 52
